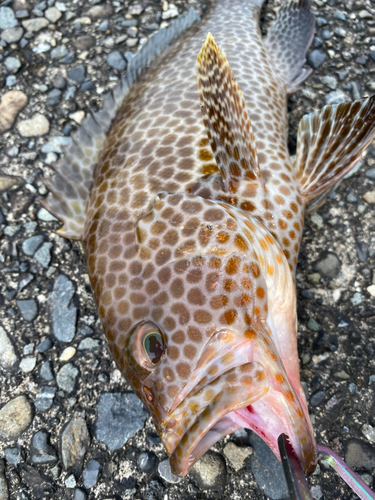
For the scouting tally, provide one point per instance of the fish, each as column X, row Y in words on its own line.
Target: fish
column 190, row 210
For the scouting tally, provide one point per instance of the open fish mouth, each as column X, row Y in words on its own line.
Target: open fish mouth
column 233, row 393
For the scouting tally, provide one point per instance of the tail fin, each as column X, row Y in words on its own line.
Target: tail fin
column 330, row 142
column 288, row 40
column 70, row 188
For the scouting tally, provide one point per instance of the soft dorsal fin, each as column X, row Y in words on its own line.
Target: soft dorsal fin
column 70, row 188
column 227, row 123
column 288, row 40
column 330, row 142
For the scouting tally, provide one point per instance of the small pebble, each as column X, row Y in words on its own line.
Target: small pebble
column 66, row 377
column 37, row 125
column 28, row 364
column 15, row 417
column 28, row 309
column 317, row 398
column 44, row 399
column 67, row 354
column 116, row 61
column 165, row 472
column 91, row 473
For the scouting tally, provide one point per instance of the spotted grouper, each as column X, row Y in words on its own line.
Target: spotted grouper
column 190, row 211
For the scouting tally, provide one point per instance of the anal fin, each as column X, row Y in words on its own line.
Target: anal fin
column 288, row 40
column 330, row 142
column 226, row 120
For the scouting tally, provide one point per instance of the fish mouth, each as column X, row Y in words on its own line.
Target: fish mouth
column 235, row 391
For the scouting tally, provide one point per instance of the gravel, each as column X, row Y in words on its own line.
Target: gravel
column 28, row 309
column 66, row 377
column 44, row 399
column 337, row 354
column 64, row 313
column 120, row 416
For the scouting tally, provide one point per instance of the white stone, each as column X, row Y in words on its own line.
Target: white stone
column 28, row 364
column 369, row 197
column 44, row 215
column 237, row 455
column 11, row 103
column 8, row 357
column 15, row 416
column 53, row 14
column 12, row 35
column 78, row 116
column 35, row 24
column 37, row 125
column 67, row 354
column 369, row 432
column 371, row 290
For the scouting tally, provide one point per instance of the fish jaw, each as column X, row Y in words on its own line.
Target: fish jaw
column 243, row 393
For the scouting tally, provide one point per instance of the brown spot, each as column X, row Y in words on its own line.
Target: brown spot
column 173, row 352
column 201, row 316
column 190, row 351
column 228, row 317
column 161, row 299
column 255, row 270
column 212, row 281
column 248, row 206
column 178, row 337
column 231, row 379
column 227, row 358
column 123, row 307
column 196, row 297
column 233, row 265
column 287, row 214
column 213, row 370
column 177, row 288
column 215, row 262
column 190, row 227
column 213, row 214
column 218, row 301
column 222, row 237
column 250, row 334
column 152, row 287
column 119, row 292
column 172, row 391
column 171, row 237
column 164, row 275
column 194, row 275
column 230, row 285
column 289, row 395
column 183, row 370
column 294, row 207
column 286, row 242
column 280, row 378
column 279, row 200
column 240, row 243
column 181, row 311
column 194, row 334
column 163, row 256
column 169, row 323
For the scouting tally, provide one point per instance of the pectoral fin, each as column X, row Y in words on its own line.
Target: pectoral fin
column 330, row 142
column 227, row 122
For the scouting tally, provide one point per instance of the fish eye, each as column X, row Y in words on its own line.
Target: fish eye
column 153, row 346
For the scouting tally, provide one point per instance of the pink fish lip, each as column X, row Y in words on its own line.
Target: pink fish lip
column 239, row 394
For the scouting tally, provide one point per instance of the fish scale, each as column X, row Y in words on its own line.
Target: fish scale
column 191, row 214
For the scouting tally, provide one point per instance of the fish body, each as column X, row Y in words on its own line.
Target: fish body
column 191, row 214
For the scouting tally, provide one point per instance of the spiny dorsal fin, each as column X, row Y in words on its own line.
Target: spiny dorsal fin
column 330, row 142
column 70, row 188
column 226, row 120
column 288, row 40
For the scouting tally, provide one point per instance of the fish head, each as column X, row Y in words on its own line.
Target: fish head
column 204, row 357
